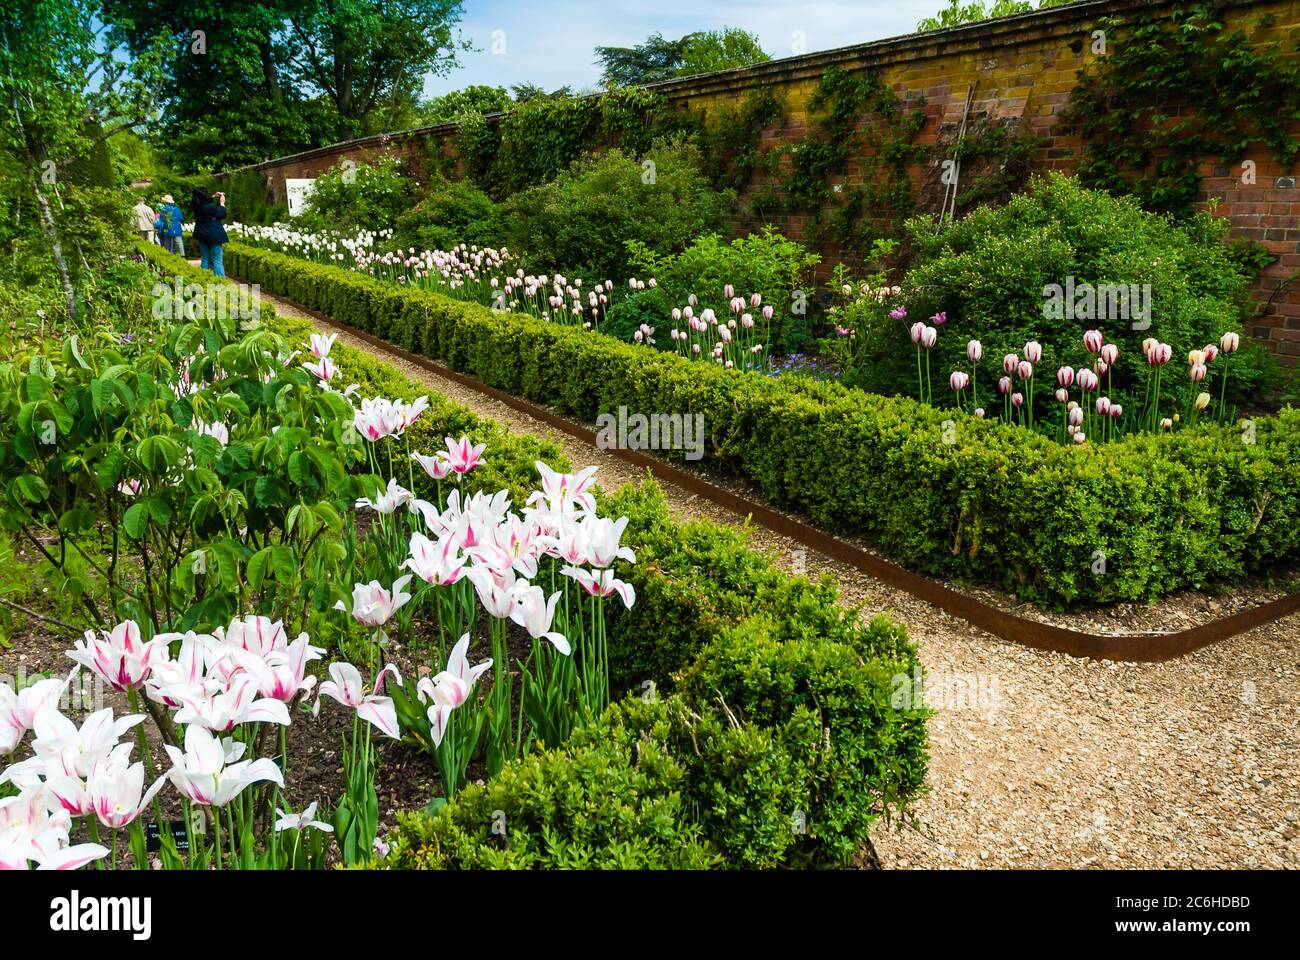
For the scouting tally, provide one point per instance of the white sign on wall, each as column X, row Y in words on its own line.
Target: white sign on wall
column 296, row 193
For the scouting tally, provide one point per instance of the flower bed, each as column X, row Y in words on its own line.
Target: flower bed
column 983, row 501
column 761, row 730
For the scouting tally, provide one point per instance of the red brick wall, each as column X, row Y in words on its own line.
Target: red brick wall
column 1024, row 69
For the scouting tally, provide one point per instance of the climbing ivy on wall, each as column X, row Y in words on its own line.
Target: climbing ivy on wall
column 1167, row 95
column 730, row 139
column 854, row 116
column 534, row 142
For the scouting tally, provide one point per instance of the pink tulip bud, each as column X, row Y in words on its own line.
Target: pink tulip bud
column 1076, row 416
column 958, row 380
column 1197, row 372
column 1103, row 406
column 1229, row 342
column 1086, row 379
column 1062, row 394
column 1166, row 424
column 1033, row 351
column 929, row 337
column 898, row 313
column 1017, row 400
column 1211, row 351
column 755, row 299
column 974, row 350
column 747, row 321
column 1116, row 411
column 1080, row 437
column 1004, row 385
column 1025, row 370
column 768, row 312
column 1101, row 367
column 1092, row 341
column 1109, row 353
column 1065, row 376
column 940, row 318
column 1010, row 362
column 729, row 291
column 979, row 412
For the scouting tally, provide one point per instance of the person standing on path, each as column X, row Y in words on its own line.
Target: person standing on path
column 209, row 211
column 143, row 218
column 169, row 219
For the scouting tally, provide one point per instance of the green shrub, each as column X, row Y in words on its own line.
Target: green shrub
column 988, row 271
column 363, row 196
column 997, row 504
column 581, row 221
column 452, row 212
column 765, row 263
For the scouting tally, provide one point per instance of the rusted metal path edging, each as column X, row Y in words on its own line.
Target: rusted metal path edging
column 1135, row 648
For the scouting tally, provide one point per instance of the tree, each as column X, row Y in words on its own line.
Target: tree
column 65, row 88
column 956, row 14
column 478, row 98
column 659, row 59
column 365, row 54
column 713, row 50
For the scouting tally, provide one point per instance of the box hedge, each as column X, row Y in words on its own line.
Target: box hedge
column 978, row 501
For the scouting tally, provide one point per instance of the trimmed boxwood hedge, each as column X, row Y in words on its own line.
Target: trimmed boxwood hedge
column 996, row 504
column 757, row 729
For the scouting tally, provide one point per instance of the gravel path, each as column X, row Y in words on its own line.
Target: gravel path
column 1043, row 760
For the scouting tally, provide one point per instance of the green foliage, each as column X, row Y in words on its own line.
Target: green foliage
column 856, row 116
column 452, row 212
column 958, row 13
column 729, row 139
column 998, row 505
column 660, row 59
column 780, row 747
column 362, row 196
column 1174, row 90
column 765, row 263
column 585, row 220
column 475, row 99
column 989, row 269
column 709, row 51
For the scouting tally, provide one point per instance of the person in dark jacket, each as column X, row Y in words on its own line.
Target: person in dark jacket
column 169, row 224
column 209, row 233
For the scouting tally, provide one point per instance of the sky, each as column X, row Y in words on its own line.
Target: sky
column 552, row 42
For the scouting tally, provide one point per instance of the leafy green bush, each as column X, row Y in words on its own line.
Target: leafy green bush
column 452, row 212
column 364, row 196
column 582, row 220
column 987, row 502
column 989, row 270
column 765, row 263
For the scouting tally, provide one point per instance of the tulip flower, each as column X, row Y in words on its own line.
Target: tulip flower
column 940, row 318
column 282, row 674
column 1229, row 342
column 450, row 688
column 1062, row 395
column 1211, row 351
column 535, row 613
column 206, row 772
column 321, row 344
column 917, row 332
column 1080, row 436
column 18, row 711
column 898, row 313
column 929, row 337
column 1109, row 353
column 974, row 351
column 1033, row 351
column 1197, row 372
column 387, row 501
column 33, row 828
column 1166, row 424
column 1195, row 357
column 1025, row 370
column 1065, row 376
column 601, row 583
column 1092, row 341
column 601, row 540
column 120, row 657
column 1103, row 406
column 435, row 466
column 323, row 369
column 301, row 821
column 238, row 704
column 564, row 492
column 345, row 686
column 1009, row 363
column 1004, row 385
column 958, row 380
column 1101, row 366
column 1017, row 400
column 1202, row 401
column 438, row 563
column 979, row 412
column 117, row 794
column 1075, row 416
column 372, row 605
column 1087, row 380
column 1116, row 411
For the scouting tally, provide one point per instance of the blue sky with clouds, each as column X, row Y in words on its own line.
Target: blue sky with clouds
column 552, row 42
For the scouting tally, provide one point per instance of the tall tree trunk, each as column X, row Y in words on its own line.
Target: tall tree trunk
column 51, row 231
column 270, row 75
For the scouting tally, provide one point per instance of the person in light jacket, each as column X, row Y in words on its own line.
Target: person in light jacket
column 169, row 224
column 209, row 233
column 143, row 217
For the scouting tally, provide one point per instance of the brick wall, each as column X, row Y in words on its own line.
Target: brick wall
column 1023, row 69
